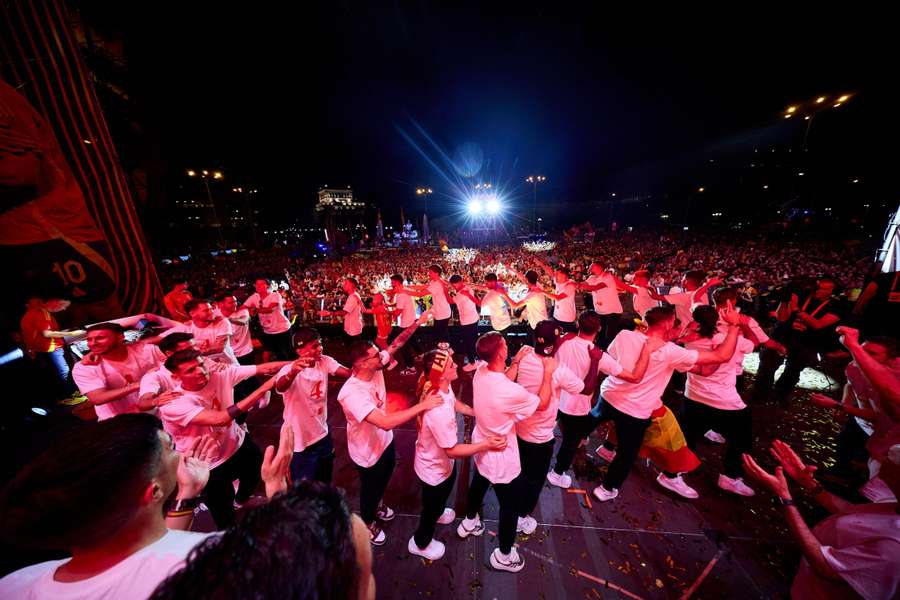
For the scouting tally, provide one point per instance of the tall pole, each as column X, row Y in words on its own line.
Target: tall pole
column 215, row 213
column 534, row 208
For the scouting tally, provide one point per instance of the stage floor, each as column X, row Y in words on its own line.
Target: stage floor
column 647, row 543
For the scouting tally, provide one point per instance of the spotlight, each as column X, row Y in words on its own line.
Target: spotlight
column 475, row 206
column 493, row 206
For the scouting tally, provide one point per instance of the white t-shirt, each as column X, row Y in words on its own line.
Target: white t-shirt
column 438, row 432
column 439, row 303
column 210, row 334
column 538, row 428
column 111, row 375
column 684, row 305
column 496, row 306
column 468, row 310
column 718, row 389
column 240, row 334
column 358, row 398
column 753, row 326
column 306, row 402
column 564, row 309
column 863, row 549
column 535, row 308
column 499, row 403
column 640, row 399
column 353, row 321
column 134, row 578
column 272, row 322
column 573, row 354
column 218, row 394
column 157, row 381
column 407, row 308
column 642, row 301
column 606, row 300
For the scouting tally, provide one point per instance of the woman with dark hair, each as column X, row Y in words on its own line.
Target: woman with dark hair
column 437, row 448
column 711, row 400
column 305, row 543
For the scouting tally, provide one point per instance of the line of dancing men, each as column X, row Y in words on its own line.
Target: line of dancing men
column 198, row 378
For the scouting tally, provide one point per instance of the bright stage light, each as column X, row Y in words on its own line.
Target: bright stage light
column 475, row 206
column 493, row 206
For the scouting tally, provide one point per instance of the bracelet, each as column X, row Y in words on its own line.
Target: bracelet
column 179, row 514
column 233, row 411
column 185, row 504
column 786, row 501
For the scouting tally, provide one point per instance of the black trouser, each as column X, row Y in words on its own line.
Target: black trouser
column 508, row 495
column 798, row 358
column 243, row 389
column 279, row 344
column 243, row 465
column 406, row 355
column 434, row 499
column 574, row 429
column 735, row 425
column 568, row 326
column 468, row 335
column 535, row 460
column 373, row 481
column 441, row 330
column 609, row 327
column 314, row 462
column 630, row 435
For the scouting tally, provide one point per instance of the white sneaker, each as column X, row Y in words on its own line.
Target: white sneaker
column 677, row 485
column 563, row 481
column 735, row 486
column 448, row 516
column 433, row 551
column 384, row 513
column 526, row 525
column 470, row 527
column 602, row 494
column 714, row 437
column 511, row 562
column 376, row 534
column 606, row 454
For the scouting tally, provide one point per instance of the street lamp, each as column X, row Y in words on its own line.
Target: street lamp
column 205, row 176
column 810, row 109
column 534, row 180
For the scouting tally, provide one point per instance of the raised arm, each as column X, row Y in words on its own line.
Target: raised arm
column 395, row 419
column 882, row 378
column 220, row 418
column 407, row 333
column 636, row 374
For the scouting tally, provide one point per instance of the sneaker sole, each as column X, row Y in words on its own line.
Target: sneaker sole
column 385, row 519
column 680, row 495
column 475, row 532
column 508, row 568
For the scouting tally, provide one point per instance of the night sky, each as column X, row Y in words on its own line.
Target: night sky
column 598, row 102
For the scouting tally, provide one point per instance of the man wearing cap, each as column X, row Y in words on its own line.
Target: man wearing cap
column 535, row 433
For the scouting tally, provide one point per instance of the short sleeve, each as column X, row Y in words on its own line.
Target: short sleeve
column 758, row 332
column 609, row 365
column 681, row 359
column 358, row 405
column 521, row 402
column 350, row 304
column 88, row 378
column 149, row 384
column 181, row 411
column 252, row 301
column 744, row 346
column 567, row 381
column 871, row 569
column 236, row 375
column 331, row 365
column 283, row 371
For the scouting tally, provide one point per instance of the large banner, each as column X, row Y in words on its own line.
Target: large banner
column 68, row 226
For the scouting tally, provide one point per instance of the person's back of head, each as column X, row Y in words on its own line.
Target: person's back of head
column 531, row 277
column 299, row 545
column 589, row 322
column 86, row 486
column 723, row 295
column 707, row 319
column 659, row 314
column 488, row 345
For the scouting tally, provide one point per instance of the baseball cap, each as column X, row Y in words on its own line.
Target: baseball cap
column 546, row 336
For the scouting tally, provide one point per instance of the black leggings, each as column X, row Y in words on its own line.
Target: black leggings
column 508, row 495
column 468, row 334
column 434, row 499
column 373, row 481
column 735, row 425
column 279, row 344
column 574, row 429
column 243, row 465
column 535, row 464
column 441, row 330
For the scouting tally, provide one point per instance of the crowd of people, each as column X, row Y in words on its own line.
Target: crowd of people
column 610, row 329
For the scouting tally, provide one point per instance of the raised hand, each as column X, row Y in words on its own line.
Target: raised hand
column 276, row 464
column 193, row 467
column 730, row 316
column 849, row 335
column 793, row 465
column 166, row 397
column 776, row 483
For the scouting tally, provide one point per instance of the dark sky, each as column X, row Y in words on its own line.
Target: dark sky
column 595, row 101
